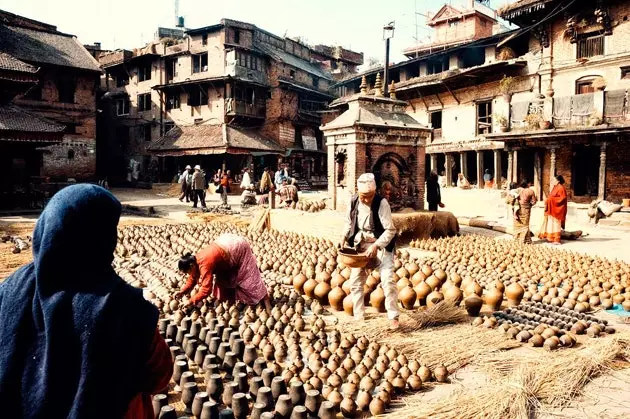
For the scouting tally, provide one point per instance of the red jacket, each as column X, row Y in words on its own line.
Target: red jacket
column 158, row 372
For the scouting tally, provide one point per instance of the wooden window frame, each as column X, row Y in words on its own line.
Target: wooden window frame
column 592, row 44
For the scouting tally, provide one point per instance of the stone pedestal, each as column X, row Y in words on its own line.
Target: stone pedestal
column 376, row 135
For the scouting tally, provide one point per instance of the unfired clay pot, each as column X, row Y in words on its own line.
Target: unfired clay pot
column 473, row 304
column 335, row 298
column 407, row 297
column 377, row 299
column 514, row 294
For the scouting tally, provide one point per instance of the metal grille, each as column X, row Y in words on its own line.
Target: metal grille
column 590, row 47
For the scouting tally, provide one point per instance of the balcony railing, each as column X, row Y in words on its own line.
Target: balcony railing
column 241, row 107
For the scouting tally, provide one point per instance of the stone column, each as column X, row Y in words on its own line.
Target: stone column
column 510, row 169
column 480, row 169
column 552, row 158
column 538, row 180
column 434, row 163
column 497, row 169
column 448, row 163
column 515, row 167
column 463, row 163
column 601, row 192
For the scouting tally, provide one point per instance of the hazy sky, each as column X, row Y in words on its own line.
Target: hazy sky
column 355, row 24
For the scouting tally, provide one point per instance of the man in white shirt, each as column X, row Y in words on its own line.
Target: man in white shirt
column 369, row 227
column 246, row 181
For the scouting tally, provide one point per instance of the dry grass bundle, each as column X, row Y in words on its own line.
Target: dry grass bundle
column 560, row 376
column 424, row 225
column 451, row 346
column 508, row 398
column 440, row 314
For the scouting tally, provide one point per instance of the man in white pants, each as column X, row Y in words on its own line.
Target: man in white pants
column 369, row 226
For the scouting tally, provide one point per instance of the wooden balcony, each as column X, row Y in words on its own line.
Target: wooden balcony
column 238, row 107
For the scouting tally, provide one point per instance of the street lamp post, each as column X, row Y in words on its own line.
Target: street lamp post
column 388, row 33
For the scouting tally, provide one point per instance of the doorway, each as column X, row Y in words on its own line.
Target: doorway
column 585, row 167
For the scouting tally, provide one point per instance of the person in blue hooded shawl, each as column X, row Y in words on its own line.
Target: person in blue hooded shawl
column 76, row 340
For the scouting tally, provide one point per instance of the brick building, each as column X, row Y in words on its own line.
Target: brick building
column 64, row 95
column 580, row 87
column 239, row 97
column 525, row 103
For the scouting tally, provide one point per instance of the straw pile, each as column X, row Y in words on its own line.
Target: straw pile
column 452, row 346
column 521, row 385
column 423, row 225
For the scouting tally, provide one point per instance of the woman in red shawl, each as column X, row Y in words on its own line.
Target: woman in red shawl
column 226, row 269
column 555, row 212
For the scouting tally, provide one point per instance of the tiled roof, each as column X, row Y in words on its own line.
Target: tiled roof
column 41, row 47
column 10, row 63
column 520, row 7
column 211, row 139
column 294, row 61
column 13, row 118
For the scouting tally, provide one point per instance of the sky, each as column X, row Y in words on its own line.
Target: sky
column 354, row 24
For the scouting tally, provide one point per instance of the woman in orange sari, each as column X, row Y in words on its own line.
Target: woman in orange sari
column 555, row 212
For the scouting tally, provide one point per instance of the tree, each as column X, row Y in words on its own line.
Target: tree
column 373, row 62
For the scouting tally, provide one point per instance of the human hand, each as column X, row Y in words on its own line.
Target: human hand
column 441, row 205
column 342, row 243
column 178, row 295
column 371, row 251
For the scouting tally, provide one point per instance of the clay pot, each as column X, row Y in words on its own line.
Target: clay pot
column 209, row 410
column 299, row 412
column 348, row 306
column 284, row 407
column 414, row 382
column 407, row 297
column 167, row 412
column 363, row 400
column 278, row 387
column 514, row 293
column 336, row 297
column 214, row 386
column 321, row 292
column 326, row 410
column 453, row 294
column 240, row 408
column 229, row 390
column 189, row 390
column 348, row 408
column 159, row 401
column 473, row 304
column 309, row 287
column 298, row 282
column 422, row 290
column 441, row 374
column 494, row 298
column 377, row 407
column 626, row 304
column 265, row 398
column 434, row 298
column 313, row 401
column 257, row 410
column 377, row 299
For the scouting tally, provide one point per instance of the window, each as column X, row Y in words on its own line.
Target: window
column 200, row 63
column 168, row 125
column 173, row 101
column 146, row 132
column 71, row 154
column 204, row 39
column 625, row 72
column 292, row 74
column 144, row 102
column 483, row 23
column 122, row 80
column 237, row 36
column 453, row 23
column 249, row 61
column 122, row 107
column 70, row 129
column 484, row 117
column 584, row 86
column 66, row 86
column 590, row 44
column 34, row 93
column 436, row 119
column 171, row 69
column 197, row 97
column 144, row 72
column 315, row 82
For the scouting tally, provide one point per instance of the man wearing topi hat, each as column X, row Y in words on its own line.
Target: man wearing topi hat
column 198, row 185
column 184, row 181
column 369, row 228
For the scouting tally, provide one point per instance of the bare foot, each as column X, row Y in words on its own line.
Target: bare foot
column 395, row 325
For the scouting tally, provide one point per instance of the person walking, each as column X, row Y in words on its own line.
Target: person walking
column 434, row 197
column 225, row 270
column 555, row 212
column 183, row 181
column 77, row 341
column 224, row 187
column 198, row 185
column 525, row 200
column 369, row 228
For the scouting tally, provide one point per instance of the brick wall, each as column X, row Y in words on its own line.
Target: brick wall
column 70, row 159
column 564, row 157
column 618, row 170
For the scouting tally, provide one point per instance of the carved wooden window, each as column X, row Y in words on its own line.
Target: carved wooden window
column 590, row 45
column 484, row 117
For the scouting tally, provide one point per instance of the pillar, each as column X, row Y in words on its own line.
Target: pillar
column 601, row 191
column 272, row 199
column 448, row 163
column 480, row 169
column 515, row 167
column 434, row 163
column 497, row 169
column 552, row 158
column 463, row 163
column 510, row 169
column 538, row 181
